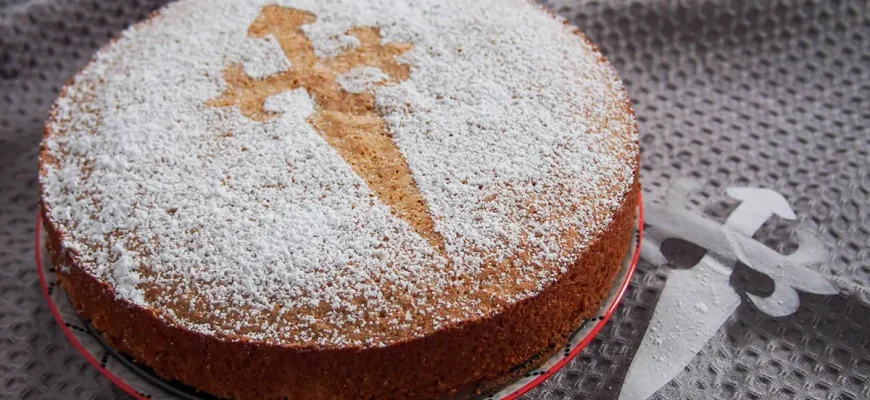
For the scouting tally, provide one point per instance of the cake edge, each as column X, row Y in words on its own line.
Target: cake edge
column 468, row 358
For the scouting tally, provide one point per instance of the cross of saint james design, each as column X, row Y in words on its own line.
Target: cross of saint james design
column 347, row 121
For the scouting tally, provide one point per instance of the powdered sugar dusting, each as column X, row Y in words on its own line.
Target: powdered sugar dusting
column 515, row 130
column 263, row 57
column 296, row 104
column 328, row 38
column 361, row 79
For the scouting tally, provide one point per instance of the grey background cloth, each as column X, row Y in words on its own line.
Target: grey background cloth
column 773, row 94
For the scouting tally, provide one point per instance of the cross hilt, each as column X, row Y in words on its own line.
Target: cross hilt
column 285, row 24
column 347, row 121
column 732, row 241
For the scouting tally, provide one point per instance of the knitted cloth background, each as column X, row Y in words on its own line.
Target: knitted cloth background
column 772, row 94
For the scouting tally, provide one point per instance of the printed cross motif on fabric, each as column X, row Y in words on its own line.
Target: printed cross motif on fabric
column 349, row 122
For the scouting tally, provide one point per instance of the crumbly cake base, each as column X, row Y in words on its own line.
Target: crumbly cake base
column 460, row 360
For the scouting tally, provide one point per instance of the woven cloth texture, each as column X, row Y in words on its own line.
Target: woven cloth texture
column 772, row 94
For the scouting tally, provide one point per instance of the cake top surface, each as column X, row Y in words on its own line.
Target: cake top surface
column 337, row 173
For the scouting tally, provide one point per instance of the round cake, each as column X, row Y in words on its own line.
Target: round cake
column 381, row 199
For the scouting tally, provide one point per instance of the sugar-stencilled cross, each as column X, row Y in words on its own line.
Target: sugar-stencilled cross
column 349, row 122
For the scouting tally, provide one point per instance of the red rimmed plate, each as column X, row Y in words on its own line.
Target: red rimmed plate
column 141, row 383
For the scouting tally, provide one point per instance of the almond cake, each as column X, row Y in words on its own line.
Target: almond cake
column 380, row 199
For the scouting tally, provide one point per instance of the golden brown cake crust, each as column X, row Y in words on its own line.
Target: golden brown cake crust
column 470, row 355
